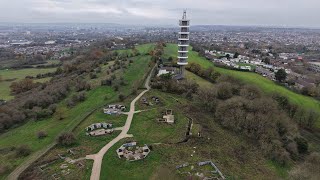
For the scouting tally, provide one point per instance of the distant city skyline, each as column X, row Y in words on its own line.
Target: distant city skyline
column 291, row 13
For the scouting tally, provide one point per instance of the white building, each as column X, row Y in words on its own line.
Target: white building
column 183, row 43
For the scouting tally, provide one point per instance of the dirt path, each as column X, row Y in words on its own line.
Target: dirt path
column 97, row 158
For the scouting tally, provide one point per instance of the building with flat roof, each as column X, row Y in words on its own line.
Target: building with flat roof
column 314, row 66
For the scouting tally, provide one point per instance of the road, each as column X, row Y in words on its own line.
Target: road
column 97, row 158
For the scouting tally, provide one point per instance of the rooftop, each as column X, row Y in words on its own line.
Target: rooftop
column 315, row 63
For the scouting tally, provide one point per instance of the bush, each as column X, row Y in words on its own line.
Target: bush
column 302, row 145
column 42, row 134
column 121, row 97
column 93, row 75
column 23, row 151
column 3, row 169
column 66, row 139
column 116, row 88
column 134, row 91
column 224, row 91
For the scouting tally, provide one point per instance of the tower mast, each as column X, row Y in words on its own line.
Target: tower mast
column 183, row 43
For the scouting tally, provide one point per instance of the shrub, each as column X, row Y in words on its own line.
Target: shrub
column 116, row 88
column 302, row 145
column 23, row 151
column 42, row 134
column 134, row 91
column 66, row 139
column 224, row 91
column 121, row 97
column 3, row 169
column 93, row 75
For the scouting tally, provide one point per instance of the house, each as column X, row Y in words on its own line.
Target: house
column 245, row 68
column 166, row 70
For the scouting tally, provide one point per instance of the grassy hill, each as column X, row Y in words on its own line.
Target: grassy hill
column 96, row 98
column 265, row 84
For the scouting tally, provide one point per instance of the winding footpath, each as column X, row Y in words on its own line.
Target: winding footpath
column 97, row 158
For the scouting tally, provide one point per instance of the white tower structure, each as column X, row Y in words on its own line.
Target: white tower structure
column 183, row 43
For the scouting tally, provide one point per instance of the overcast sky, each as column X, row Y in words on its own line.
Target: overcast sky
column 218, row 12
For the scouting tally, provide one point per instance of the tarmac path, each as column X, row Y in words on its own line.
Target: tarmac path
column 97, row 158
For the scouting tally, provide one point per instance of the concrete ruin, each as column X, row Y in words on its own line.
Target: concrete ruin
column 155, row 100
column 168, row 117
column 215, row 174
column 99, row 129
column 114, row 109
column 100, row 132
column 132, row 152
column 95, row 126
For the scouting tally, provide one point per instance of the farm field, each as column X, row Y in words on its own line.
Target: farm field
column 265, row 84
column 11, row 75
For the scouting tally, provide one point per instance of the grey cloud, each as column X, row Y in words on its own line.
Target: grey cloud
column 233, row 12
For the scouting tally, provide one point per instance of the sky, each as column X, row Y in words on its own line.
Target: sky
column 293, row 13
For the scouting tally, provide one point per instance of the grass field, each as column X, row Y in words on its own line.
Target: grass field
column 200, row 81
column 265, row 84
column 146, row 130
column 11, row 75
column 26, row 134
column 143, row 49
column 218, row 145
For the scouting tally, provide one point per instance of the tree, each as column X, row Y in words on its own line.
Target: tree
column 42, row 134
column 266, row 60
column 60, row 114
column 302, row 145
column 281, row 75
column 66, row 139
column 22, row 86
column 236, row 55
column 23, row 151
column 224, row 91
column 121, row 97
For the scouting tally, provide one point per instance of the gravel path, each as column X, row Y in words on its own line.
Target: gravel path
column 96, row 168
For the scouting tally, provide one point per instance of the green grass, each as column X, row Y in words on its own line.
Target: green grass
column 245, row 64
column 265, row 84
column 26, row 134
column 11, row 75
column 217, row 144
column 200, row 81
column 143, row 49
column 280, row 170
column 146, row 130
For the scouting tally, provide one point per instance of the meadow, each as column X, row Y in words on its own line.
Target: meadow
column 11, row 75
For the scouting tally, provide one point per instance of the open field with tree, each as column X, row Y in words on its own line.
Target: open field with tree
column 67, row 118
column 11, row 75
column 245, row 129
column 217, row 144
column 265, row 84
